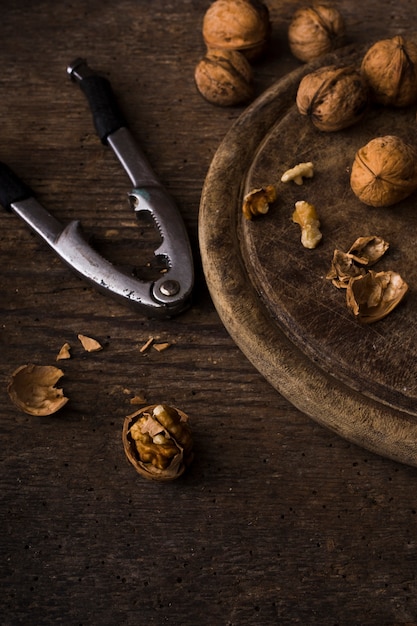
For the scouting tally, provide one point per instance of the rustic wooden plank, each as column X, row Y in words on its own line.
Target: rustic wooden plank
column 278, row 520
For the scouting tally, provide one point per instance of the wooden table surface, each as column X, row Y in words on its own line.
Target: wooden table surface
column 278, row 520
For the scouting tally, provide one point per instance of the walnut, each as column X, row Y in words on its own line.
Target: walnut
column 241, row 25
column 390, row 67
column 333, row 97
column 372, row 296
column 224, row 77
column 305, row 215
column 257, row 201
column 384, row 171
column 32, row 389
column 157, row 441
column 314, row 31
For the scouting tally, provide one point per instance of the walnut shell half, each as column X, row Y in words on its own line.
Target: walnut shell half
column 333, row 97
column 314, row 31
column 384, row 171
column 372, row 296
column 390, row 67
column 32, row 389
column 157, row 442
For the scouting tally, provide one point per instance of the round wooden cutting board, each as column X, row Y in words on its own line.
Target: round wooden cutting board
column 272, row 293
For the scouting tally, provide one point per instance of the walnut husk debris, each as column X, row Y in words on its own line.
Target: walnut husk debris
column 390, row 68
column 89, row 343
column 224, row 77
column 373, row 296
column 363, row 253
column 157, row 441
column 240, row 25
column 32, row 389
column 384, row 171
column 315, row 31
column 257, row 201
column 333, row 97
column 305, row 215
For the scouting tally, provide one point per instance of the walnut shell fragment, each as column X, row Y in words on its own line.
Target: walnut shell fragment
column 89, row 344
column 343, row 268
column 314, row 31
column 333, row 97
column 368, row 250
column 32, row 389
column 363, row 253
column 389, row 67
column 372, row 296
column 257, row 201
column 384, row 171
column 157, row 442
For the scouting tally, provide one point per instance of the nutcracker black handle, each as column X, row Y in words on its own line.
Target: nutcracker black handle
column 107, row 115
column 12, row 188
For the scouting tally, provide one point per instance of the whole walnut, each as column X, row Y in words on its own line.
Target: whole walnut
column 390, row 67
column 333, row 97
column 224, row 77
column 241, row 25
column 384, row 171
column 314, row 31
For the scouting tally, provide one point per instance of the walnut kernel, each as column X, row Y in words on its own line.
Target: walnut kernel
column 241, row 25
column 257, row 201
column 333, row 97
column 298, row 173
column 157, row 442
column 224, row 77
column 305, row 215
column 314, row 31
column 384, row 171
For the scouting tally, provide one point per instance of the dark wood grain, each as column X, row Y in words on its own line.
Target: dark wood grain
column 278, row 520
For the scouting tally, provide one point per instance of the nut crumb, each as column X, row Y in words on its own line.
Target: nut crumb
column 160, row 347
column 146, row 345
column 64, row 352
column 138, row 399
column 89, row 344
column 297, row 173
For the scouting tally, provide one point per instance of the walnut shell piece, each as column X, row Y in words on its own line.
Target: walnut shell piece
column 363, row 253
column 333, row 97
column 32, row 389
column 157, row 441
column 368, row 250
column 315, row 31
column 241, row 25
column 373, row 296
column 224, row 78
column 384, row 171
column 390, row 67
